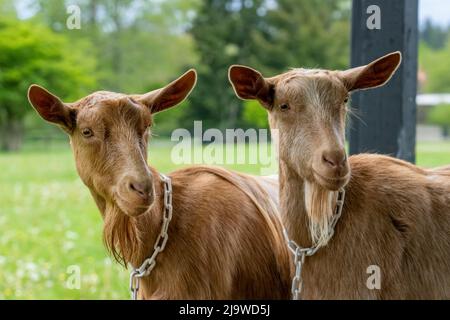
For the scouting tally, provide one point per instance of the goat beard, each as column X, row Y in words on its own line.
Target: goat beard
column 121, row 237
column 319, row 204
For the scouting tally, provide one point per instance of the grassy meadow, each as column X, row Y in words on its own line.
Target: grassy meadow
column 48, row 222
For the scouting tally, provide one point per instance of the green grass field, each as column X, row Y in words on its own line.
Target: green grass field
column 48, row 222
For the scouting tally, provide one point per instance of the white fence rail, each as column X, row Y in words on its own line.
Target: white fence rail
column 432, row 99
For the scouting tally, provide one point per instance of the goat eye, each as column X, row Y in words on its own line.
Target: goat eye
column 86, row 132
column 284, row 107
column 346, row 100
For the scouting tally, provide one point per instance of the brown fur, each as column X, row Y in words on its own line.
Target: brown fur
column 225, row 237
column 395, row 215
column 220, row 245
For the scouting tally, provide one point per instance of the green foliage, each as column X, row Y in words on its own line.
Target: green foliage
column 255, row 115
column 125, row 46
column 292, row 33
column 223, row 33
column 137, row 43
column 135, row 46
column 305, row 33
column 31, row 53
column 7, row 8
column 435, row 64
column 434, row 36
column 439, row 115
column 165, row 122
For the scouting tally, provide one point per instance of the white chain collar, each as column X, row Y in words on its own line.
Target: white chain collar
column 147, row 266
column 300, row 253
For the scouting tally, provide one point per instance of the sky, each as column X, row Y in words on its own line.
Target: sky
column 437, row 10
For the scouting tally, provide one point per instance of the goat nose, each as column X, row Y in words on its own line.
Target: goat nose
column 334, row 158
column 140, row 187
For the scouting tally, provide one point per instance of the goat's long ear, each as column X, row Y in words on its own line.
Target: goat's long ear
column 171, row 95
column 373, row 75
column 51, row 108
column 249, row 84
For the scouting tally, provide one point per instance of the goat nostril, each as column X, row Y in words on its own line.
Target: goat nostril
column 328, row 161
column 143, row 188
column 136, row 188
column 334, row 159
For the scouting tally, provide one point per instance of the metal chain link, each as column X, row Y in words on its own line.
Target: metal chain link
column 147, row 266
column 300, row 253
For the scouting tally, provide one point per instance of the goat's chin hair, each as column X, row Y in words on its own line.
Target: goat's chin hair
column 120, row 235
column 319, row 207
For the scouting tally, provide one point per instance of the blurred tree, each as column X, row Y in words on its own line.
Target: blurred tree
column 31, row 53
column 301, row 33
column 435, row 64
column 433, row 35
column 139, row 43
column 440, row 115
column 7, row 8
column 142, row 44
column 224, row 33
column 306, row 33
column 52, row 12
column 271, row 36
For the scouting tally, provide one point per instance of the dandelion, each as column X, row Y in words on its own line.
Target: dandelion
column 71, row 235
column 68, row 245
column 107, row 261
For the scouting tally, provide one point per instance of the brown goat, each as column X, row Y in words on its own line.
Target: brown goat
column 225, row 238
column 396, row 216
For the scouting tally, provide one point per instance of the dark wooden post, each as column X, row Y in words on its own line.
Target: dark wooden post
column 388, row 114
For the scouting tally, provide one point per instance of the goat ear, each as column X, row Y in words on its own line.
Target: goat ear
column 171, row 95
column 249, row 84
column 373, row 75
column 51, row 108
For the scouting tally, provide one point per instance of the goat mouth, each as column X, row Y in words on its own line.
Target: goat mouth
column 130, row 208
column 331, row 182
